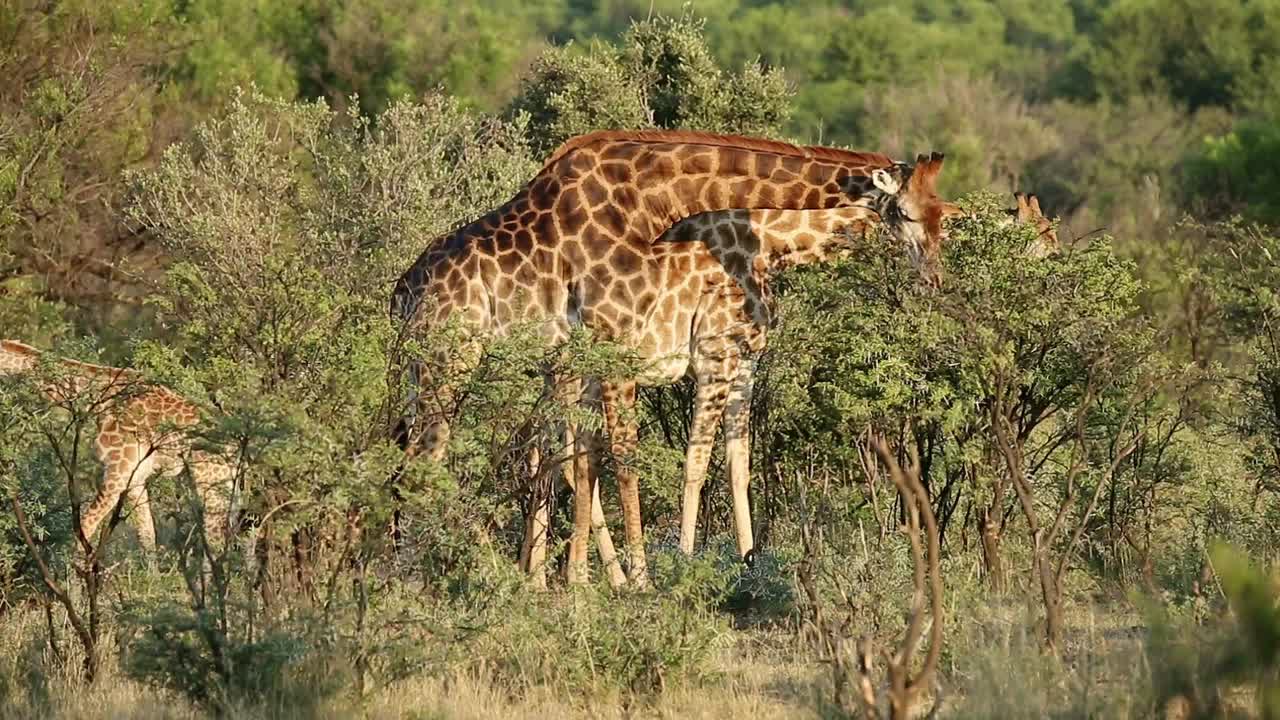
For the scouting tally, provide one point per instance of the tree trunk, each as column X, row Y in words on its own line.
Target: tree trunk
column 304, row 557
column 1051, row 594
column 92, row 587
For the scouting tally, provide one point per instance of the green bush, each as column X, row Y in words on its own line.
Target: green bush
column 661, row 75
column 593, row 639
column 269, row 236
column 1201, row 666
column 171, row 651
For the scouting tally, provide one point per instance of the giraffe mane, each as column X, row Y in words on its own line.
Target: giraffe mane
column 808, row 152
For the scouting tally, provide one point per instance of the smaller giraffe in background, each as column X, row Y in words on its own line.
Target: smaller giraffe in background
column 752, row 246
column 140, row 434
column 1028, row 212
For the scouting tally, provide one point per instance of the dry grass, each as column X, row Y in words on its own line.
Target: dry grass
column 745, row 686
column 992, row 668
column 757, row 683
column 755, row 688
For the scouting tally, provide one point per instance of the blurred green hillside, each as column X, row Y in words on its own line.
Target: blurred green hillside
column 1122, row 115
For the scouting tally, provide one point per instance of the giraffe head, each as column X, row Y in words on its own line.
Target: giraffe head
column 914, row 214
column 1028, row 211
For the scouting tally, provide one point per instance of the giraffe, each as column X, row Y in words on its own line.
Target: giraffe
column 555, row 252
column 1028, row 212
column 715, row 268
column 723, row 234
column 140, row 433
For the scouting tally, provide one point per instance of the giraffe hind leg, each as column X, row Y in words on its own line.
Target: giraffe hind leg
column 140, row 504
column 533, row 552
column 577, row 466
column 587, row 469
column 737, row 437
column 571, row 467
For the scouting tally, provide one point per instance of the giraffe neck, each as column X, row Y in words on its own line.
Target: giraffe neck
column 770, row 240
column 16, row 357
column 801, row 237
column 654, row 183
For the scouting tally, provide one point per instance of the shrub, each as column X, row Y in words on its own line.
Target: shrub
column 1199, row 667
column 1235, row 173
column 593, row 639
column 662, row 75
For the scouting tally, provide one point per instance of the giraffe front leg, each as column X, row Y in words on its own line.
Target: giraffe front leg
column 737, row 437
column 533, row 551
column 140, row 504
column 583, row 482
column 589, row 464
column 581, row 472
column 620, row 424
column 430, row 402
column 707, row 408
column 423, row 427
column 604, row 542
column 579, row 477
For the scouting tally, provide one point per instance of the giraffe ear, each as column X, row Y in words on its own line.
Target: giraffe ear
column 925, row 174
column 885, row 182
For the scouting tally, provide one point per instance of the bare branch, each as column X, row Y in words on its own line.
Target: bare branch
column 51, row 583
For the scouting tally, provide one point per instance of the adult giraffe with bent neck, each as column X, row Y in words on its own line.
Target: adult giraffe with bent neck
column 140, row 433
column 555, row 252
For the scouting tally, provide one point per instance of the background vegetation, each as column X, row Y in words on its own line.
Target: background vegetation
column 220, row 193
